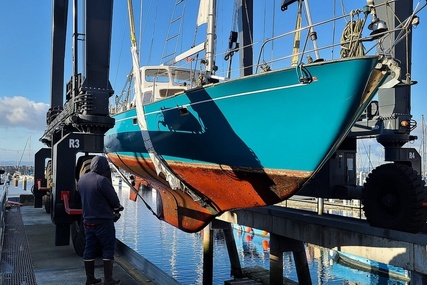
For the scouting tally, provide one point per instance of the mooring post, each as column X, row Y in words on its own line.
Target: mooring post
column 207, row 255
column 280, row 244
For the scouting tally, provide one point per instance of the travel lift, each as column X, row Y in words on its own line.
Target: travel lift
column 75, row 128
column 393, row 195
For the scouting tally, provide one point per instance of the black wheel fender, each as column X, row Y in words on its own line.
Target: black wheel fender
column 393, row 196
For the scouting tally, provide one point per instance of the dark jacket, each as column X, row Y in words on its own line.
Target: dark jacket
column 98, row 195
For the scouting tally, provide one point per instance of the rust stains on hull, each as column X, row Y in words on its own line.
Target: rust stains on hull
column 231, row 188
column 180, row 210
column 222, row 188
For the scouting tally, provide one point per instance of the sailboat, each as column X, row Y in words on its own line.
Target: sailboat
column 209, row 144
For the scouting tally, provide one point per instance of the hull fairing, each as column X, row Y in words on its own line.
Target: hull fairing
column 249, row 142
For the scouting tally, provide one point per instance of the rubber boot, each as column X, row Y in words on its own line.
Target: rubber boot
column 90, row 273
column 108, row 273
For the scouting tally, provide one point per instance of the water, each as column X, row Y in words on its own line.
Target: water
column 180, row 254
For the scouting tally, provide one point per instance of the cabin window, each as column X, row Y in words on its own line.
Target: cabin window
column 183, row 77
column 170, row 91
column 157, row 75
column 147, row 97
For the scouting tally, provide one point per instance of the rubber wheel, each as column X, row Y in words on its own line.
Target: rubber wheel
column 78, row 237
column 47, row 202
column 48, row 173
column 47, row 199
column 393, row 197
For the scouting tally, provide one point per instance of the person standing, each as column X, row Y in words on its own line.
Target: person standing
column 100, row 203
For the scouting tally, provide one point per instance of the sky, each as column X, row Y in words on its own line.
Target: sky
column 25, row 51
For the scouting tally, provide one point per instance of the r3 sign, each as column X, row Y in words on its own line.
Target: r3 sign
column 74, row 143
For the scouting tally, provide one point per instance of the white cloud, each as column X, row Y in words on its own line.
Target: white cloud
column 21, row 112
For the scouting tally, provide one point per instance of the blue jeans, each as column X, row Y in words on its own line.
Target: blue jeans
column 103, row 234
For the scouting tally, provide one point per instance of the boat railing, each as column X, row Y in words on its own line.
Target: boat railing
column 349, row 35
column 352, row 36
column 348, row 208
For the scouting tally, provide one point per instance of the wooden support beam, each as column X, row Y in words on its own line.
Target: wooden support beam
column 207, row 255
column 280, row 244
column 236, row 269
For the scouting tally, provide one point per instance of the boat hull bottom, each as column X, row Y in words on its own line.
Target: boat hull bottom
column 224, row 188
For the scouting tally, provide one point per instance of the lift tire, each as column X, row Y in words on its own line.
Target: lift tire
column 393, row 196
column 47, row 202
column 78, row 237
column 48, row 173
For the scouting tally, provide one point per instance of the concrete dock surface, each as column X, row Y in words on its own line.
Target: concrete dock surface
column 29, row 255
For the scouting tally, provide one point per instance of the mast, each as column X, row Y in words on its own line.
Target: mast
column 210, row 40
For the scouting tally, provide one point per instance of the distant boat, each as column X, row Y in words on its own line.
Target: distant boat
column 373, row 267
column 208, row 145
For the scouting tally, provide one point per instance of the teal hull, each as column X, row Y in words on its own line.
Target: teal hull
column 268, row 121
column 263, row 135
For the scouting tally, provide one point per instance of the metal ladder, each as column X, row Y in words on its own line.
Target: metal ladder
column 174, row 30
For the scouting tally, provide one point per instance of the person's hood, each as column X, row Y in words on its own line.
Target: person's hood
column 99, row 164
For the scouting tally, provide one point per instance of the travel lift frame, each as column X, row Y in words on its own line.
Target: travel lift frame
column 393, row 195
column 79, row 125
column 401, row 206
